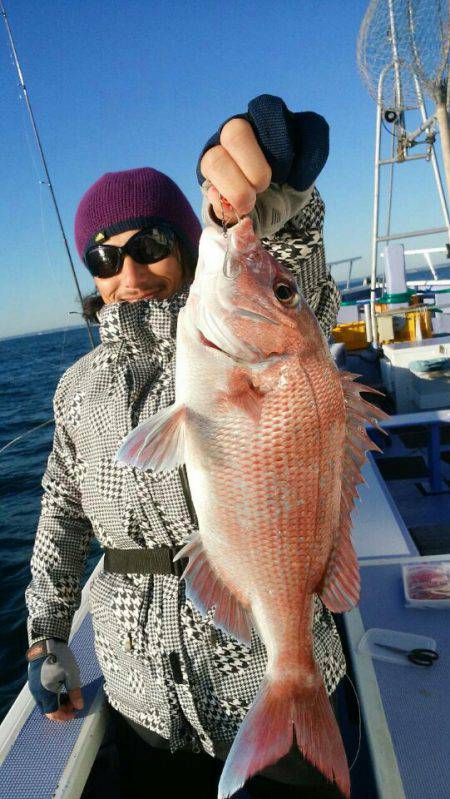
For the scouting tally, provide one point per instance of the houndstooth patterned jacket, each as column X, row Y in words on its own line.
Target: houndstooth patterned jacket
column 165, row 667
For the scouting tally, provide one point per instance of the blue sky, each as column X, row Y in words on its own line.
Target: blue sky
column 118, row 85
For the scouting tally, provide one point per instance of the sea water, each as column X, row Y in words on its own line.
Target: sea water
column 30, row 367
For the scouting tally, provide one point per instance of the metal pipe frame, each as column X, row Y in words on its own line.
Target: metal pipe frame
column 411, row 234
column 376, row 210
column 376, row 238
column 417, row 157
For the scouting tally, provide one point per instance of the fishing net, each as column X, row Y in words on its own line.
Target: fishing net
column 410, row 40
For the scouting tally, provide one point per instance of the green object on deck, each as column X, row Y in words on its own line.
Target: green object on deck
column 404, row 296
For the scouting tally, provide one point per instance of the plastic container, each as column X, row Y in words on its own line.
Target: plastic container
column 405, row 326
column 352, row 334
column 427, row 585
column 424, row 323
column 368, row 645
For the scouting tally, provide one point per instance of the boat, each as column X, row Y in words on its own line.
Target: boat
column 394, row 331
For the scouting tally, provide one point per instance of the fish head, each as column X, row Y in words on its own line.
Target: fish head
column 243, row 301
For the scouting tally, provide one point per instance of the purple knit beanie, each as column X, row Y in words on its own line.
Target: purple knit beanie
column 135, row 198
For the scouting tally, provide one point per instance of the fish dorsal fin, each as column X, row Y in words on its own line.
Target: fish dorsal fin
column 206, row 590
column 157, row 443
column 341, row 584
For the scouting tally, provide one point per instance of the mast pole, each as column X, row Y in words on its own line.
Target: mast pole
column 44, row 162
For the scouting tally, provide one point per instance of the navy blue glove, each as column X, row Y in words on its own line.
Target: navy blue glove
column 295, row 145
column 51, row 665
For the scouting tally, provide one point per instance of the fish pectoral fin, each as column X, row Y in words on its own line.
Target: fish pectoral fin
column 243, row 394
column 205, row 589
column 157, row 443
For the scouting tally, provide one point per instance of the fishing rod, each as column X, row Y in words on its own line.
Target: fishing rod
column 44, row 162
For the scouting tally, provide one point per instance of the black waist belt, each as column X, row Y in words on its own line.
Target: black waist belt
column 158, row 560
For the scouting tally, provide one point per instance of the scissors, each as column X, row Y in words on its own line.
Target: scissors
column 421, row 657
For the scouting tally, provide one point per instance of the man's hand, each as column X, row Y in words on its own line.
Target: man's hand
column 52, row 665
column 69, row 704
column 237, row 169
column 286, row 147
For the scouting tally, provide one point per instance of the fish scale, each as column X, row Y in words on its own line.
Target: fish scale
column 273, row 438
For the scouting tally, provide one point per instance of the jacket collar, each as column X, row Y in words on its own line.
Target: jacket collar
column 146, row 325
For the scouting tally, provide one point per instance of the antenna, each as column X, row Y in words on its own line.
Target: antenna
column 44, row 163
column 403, row 54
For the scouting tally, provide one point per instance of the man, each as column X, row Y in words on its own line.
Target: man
column 178, row 682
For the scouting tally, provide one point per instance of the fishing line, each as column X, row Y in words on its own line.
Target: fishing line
column 359, row 722
column 40, row 183
column 44, row 225
column 58, row 285
column 27, row 135
column 63, row 346
column 23, row 435
column 229, row 270
column 44, row 163
column 44, row 236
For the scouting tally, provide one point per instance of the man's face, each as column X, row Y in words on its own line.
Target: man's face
column 138, row 281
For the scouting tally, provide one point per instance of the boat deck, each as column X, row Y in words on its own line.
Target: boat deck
column 405, row 471
column 408, row 464
column 404, row 706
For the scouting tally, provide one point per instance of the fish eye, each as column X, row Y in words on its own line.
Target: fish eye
column 286, row 294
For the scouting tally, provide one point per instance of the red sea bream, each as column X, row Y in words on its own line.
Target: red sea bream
column 273, row 438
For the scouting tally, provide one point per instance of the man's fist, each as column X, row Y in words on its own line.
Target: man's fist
column 286, row 147
column 237, row 169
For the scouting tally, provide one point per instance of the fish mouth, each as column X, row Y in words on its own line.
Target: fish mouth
column 215, row 336
column 207, row 343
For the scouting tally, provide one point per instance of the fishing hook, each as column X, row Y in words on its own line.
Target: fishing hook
column 230, row 268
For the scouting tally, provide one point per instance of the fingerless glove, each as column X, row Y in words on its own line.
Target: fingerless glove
column 51, row 665
column 295, row 144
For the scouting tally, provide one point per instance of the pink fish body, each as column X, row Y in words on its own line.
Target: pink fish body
column 273, row 437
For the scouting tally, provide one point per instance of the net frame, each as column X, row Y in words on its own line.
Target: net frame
column 408, row 40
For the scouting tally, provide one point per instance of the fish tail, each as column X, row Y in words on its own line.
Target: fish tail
column 267, row 734
column 319, row 738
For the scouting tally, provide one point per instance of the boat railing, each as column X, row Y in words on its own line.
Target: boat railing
column 350, row 262
column 426, row 252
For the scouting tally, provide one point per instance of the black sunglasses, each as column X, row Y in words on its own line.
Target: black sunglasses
column 145, row 247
